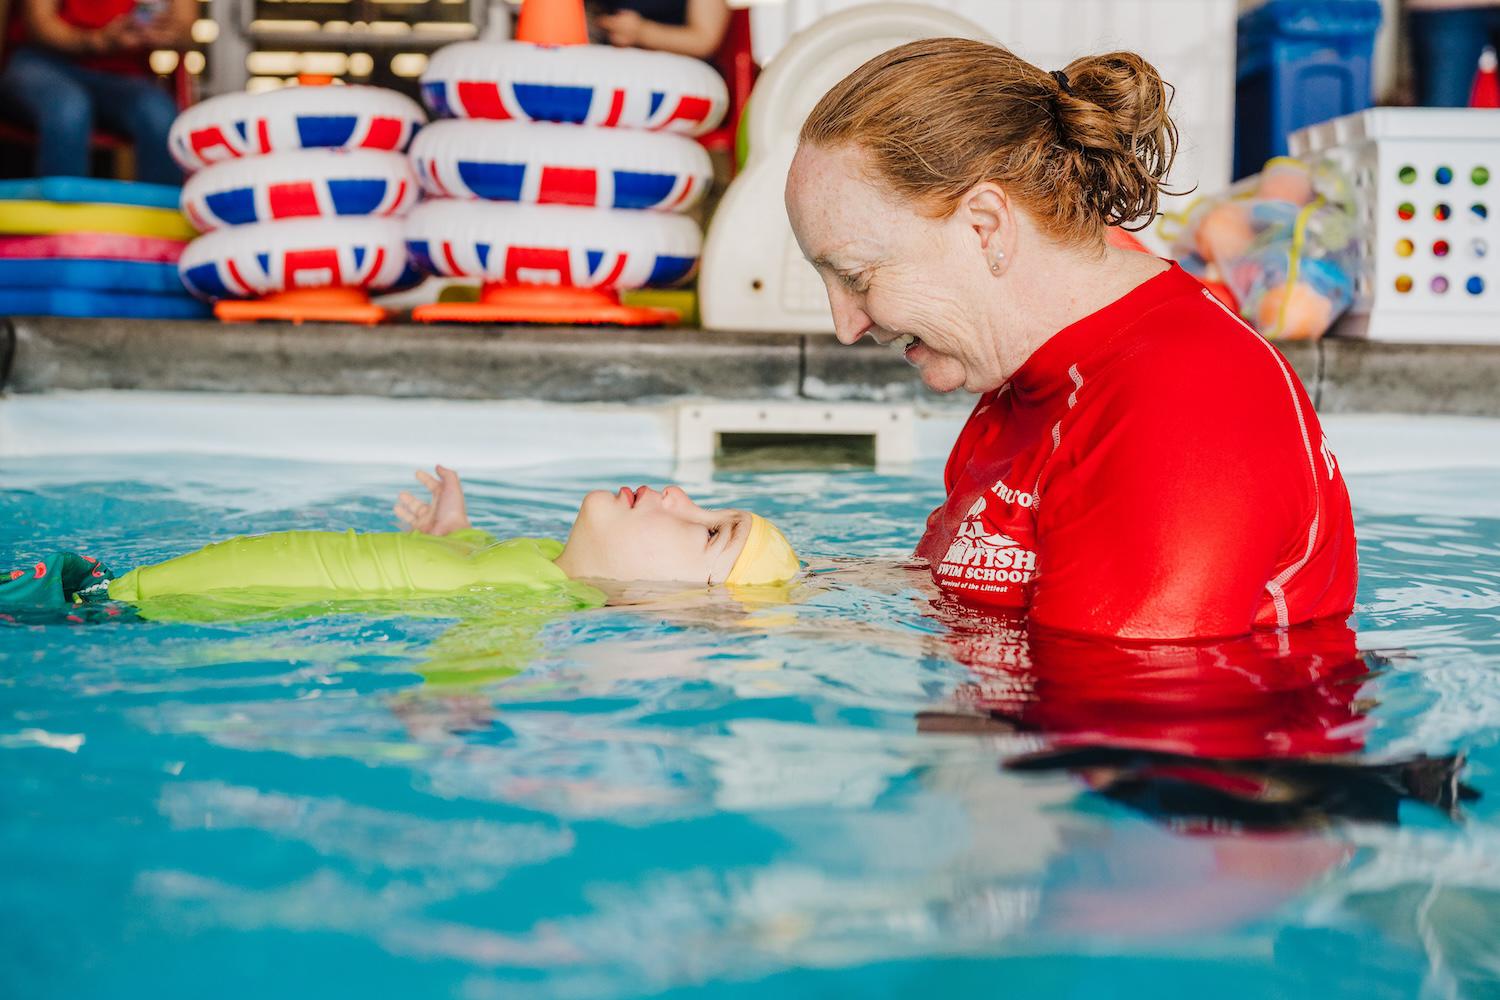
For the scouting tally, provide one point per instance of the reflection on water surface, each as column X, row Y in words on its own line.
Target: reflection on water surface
column 842, row 789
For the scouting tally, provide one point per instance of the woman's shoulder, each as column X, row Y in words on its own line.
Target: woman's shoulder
column 1191, row 370
column 1192, row 343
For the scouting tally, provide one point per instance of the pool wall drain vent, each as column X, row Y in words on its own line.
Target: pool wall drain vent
column 768, row 436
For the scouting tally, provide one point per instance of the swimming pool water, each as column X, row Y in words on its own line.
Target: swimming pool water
column 725, row 801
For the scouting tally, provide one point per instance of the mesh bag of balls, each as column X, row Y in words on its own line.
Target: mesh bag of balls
column 1279, row 247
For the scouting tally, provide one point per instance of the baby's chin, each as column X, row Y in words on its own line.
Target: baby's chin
column 593, row 497
column 596, row 510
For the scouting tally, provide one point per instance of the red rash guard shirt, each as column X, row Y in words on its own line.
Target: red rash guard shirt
column 1155, row 470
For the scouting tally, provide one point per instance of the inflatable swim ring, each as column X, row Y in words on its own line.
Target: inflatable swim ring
column 232, row 126
column 551, row 244
column 597, row 85
column 547, row 163
column 264, row 258
column 321, row 183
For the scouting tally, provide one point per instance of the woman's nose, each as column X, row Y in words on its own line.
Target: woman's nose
column 850, row 322
column 675, row 494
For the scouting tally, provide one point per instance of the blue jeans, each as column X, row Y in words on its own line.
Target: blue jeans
column 63, row 100
column 1445, row 47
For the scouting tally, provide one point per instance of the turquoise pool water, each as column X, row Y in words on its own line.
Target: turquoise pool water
column 721, row 800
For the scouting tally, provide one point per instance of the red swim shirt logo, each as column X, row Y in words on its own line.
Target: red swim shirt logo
column 982, row 556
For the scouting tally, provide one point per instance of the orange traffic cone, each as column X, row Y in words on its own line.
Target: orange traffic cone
column 552, row 22
column 1486, row 90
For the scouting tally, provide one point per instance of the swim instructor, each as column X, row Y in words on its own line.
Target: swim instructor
column 1140, row 463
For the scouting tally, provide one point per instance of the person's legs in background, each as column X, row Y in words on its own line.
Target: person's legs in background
column 138, row 107
column 1445, row 50
column 45, row 91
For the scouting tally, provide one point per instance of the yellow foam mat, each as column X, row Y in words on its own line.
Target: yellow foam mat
column 27, row 218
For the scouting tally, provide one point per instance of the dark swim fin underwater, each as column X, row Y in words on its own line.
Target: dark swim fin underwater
column 1261, row 793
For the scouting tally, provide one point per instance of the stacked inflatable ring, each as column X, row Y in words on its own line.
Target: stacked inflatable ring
column 597, row 85
column 298, row 194
column 559, row 177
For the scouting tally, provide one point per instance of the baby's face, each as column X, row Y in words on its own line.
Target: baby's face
column 641, row 534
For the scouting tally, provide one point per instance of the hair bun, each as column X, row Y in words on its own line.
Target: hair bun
column 1118, row 134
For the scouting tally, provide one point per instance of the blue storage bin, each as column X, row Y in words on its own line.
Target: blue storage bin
column 1300, row 62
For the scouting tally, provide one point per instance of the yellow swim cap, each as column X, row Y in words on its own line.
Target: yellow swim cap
column 766, row 558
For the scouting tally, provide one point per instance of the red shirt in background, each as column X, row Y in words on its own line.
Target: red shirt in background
column 88, row 15
column 1155, row 470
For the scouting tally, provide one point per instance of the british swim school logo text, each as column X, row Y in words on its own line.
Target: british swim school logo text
column 982, row 555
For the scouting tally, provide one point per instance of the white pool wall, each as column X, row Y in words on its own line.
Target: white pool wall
column 514, row 434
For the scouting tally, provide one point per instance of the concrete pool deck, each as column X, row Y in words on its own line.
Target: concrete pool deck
column 593, row 365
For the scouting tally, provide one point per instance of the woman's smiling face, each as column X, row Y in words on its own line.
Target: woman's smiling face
column 892, row 273
column 642, row 534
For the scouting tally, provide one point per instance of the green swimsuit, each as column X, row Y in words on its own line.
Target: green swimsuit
column 502, row 592
column 334, row 564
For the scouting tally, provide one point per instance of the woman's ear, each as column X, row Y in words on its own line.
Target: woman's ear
column 986, row 210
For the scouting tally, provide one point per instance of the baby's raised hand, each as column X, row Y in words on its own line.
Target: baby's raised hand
column 444, row 515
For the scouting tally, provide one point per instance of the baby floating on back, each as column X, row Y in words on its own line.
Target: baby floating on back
column 630, row 535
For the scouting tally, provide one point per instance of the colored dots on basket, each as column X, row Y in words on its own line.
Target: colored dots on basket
column 1480, row 176
column 1479, row 211
column 1442, row 211
column 1443, row 175
column 1440, row 248
column 1407, row 175
column 1439, row 284
column 1479, row 247
column 1406, row 211
column 1475, row 285
column 1403, row 283
column 1405, row 248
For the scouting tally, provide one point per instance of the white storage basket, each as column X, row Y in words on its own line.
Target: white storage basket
column 1426, row 182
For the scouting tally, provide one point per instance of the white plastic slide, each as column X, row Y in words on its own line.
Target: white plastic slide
column 753, row 275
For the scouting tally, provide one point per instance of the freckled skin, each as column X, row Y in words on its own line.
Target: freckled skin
column 891, row 269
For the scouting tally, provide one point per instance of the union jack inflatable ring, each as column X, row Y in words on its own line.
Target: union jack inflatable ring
column 235, row 126
column 310, row 183
column 560, row 245
column 595, row 85
column 263, row 258
column 549, row 164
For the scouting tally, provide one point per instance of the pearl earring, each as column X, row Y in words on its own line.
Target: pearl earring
column 995, row 261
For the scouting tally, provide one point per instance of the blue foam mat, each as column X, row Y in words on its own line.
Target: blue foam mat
column 143, row 277
column 80, row 302
column 91, row 190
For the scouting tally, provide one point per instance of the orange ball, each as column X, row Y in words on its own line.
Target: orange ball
column 1224, row 232
column 1286, row 183
column 1307, row 313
